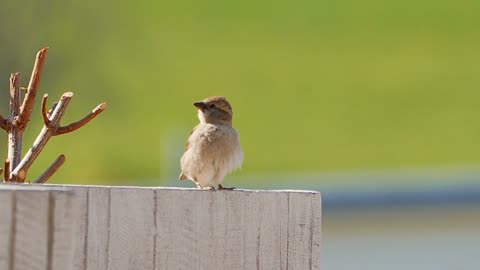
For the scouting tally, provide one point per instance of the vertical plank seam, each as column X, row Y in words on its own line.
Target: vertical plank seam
column 288, row 228
column 312, row 231
column 85, row 238
column 109, row 213
column 244, row 233
column 259, row 230
column 280, row 246
column 155, row 228
column 51, row 229
column 258, row 248
column 13, row 232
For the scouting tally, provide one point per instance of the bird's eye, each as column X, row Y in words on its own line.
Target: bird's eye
column 211, row 106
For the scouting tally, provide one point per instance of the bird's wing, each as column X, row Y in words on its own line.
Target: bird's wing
column 187, row 145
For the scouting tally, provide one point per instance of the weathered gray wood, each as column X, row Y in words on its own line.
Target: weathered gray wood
column 131, row 240
column 270, row 212
column 6, row 215
column 160, row 228
column 65, row 217
column 80, row 229
column 98, row 228
column 316, row 229
column 36, row 227
column 301, row 231
column 237, row 230
column 31, row 236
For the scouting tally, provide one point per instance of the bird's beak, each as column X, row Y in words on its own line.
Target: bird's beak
column 200, row 105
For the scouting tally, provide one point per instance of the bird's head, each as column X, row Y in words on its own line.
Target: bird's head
column 214, row 110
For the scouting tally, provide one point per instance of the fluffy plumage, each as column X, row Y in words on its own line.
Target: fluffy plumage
column 213, row 149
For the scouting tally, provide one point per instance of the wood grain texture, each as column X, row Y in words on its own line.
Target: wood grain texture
column 32, row 222
column 301, row 231
column 160, row 228
column 6, row 230
column 237, row 230
column 65, row 217
column 130, row 244
column 80, row 229
column 36, row 227
column 97, row 231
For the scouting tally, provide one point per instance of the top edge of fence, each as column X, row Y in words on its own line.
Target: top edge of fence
column 177, row 188
column 34, row 187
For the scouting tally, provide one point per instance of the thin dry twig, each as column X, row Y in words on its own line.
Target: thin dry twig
column 6, row 176
column 16, row 169
column 51, row 170
column 82, row 122
column 44, row 111
column 29, row 100
column 45, row 134
column 15, row 134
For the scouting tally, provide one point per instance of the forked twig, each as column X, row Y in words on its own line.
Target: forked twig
column 46, row 121
column 53, row 128
column 82, row 122
column 16, row 169
column 45, row 134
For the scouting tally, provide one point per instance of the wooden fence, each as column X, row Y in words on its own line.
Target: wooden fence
column 52, row 227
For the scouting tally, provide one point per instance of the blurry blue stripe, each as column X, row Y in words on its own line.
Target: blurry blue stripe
column 434, row 197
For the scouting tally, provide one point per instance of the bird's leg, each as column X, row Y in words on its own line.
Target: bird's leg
column 202, row 187
column 220, row 187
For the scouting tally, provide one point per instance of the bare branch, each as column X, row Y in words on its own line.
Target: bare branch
column 51, row 170
column 45, row 134
column 60, row 109
column 82, row 122
column 16, row 168
column 15, row 134
column 29, row 100
column 15, row 94
column 1, row 171
column 6, row 176
column 44, row 111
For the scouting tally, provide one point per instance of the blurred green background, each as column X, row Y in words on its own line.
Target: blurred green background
column 316, row 86
column 374, row 103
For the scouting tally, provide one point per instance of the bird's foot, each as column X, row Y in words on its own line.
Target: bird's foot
column 202, row 187
column 205, row 188
column 220, row 187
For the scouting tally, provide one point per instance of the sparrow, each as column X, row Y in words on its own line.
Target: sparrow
column 213, row 149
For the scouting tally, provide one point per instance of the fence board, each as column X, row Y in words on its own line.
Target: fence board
column 31, row 236
column 301, row 231
column 98, row 216
column 6, row 215
column 65, row 216
column 120, row 228
column 131, row 229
